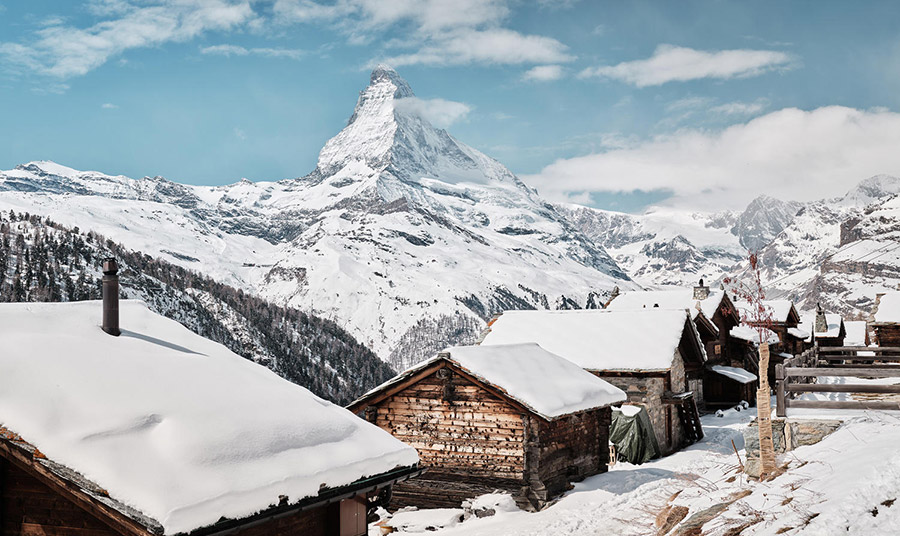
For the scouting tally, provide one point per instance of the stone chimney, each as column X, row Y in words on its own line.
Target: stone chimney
column 701, row 292
column 821, row 320
column 111, row 297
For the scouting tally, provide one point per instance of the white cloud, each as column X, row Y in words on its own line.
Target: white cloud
column 543, row 73
column 671, row 63
column 235, row 50
column 440, row 32
column 492, row 46
column 109, row 106
column 741, row 108
column 439, row 112
column 790, row 154
column 66, row 51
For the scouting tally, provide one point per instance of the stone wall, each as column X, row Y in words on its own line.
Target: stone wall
column 787, row 435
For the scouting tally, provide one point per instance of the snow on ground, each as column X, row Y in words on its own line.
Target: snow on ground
column 845, row 484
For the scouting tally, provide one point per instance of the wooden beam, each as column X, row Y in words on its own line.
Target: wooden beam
column 106, row 514
column 892, row 372
column 888, row 358
column 832, row 404
column 395, row 388
column 841, row 388
column 833, row 349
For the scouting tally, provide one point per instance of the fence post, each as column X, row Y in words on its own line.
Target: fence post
column 780, row 400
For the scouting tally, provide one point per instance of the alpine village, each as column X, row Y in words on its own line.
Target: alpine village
column 412, row 339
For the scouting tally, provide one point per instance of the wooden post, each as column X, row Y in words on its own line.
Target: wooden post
column 780, row 400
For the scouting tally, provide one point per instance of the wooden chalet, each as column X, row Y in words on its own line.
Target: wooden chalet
column 857, row 333
column 791, row 338
column 714, row 315
column 158, row 431
column 886, row 319
column 513, row 417
column 655, row 355
column 825, row 329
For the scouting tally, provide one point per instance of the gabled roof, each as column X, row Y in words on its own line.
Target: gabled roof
column 783, row 311
column 176, row 426
column 835, row 326
column 682, row 298
column 644, row 340
column 857, row 333
column 543, row 383
column 888, row 308
column 753, row 334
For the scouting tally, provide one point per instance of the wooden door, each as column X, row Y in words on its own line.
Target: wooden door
column 353, row 517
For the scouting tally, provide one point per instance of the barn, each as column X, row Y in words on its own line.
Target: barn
column 886, row 319
column 729, row 376
column 158, row 431
column 654, row 355
column 483, row 418
column 825, row 329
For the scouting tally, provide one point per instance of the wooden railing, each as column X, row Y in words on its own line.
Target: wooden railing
column 798, row 375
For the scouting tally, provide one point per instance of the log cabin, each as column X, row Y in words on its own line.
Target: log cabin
column 785, row 323
column 158, row 431
column 731, row 362
column 825, row 329
column 857, row 333
column 886, row 319
column 654, row 355
column 512, row 417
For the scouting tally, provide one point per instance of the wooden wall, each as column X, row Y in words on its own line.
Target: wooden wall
column 30, row 508
column 471, row 440
column 475, row 442
column 887, row 335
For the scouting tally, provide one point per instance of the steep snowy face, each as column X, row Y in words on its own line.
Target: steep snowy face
column 871, row 190
column 387, row 134
column 762, row 220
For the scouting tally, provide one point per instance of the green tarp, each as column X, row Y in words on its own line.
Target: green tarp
column 633, row 437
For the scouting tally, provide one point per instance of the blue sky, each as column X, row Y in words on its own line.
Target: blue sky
column 614, row 104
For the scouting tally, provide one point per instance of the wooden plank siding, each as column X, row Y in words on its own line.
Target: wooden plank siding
column 474, row 440
column 28, row 507
column 476, row 435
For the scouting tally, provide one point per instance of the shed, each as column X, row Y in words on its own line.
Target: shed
column 886, row 319
column 714, row 315
column 857, row 333
column 824, row 329
column 511, row 417
column 654, row 355
column 158, row 431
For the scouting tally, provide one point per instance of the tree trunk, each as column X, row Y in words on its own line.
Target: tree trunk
column 764, row 417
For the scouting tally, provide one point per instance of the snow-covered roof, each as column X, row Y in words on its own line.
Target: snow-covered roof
column 682, row 298
column 888, row 308
column 545, row 383
column 780, row 309
column 752, row 334
column 856, row 332
column 598, row 339
column 798, row 333
column 171, row 424
column 808, row 324
column 735, row 373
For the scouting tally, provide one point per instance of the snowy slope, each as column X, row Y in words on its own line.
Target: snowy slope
column 402, row 234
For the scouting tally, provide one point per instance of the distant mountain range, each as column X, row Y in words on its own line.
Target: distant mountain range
column 410, row 240
column 403, row 235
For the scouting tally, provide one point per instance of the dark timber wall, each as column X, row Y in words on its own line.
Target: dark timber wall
column 474, row 441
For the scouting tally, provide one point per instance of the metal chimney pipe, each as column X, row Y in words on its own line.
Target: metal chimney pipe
column 111, row 297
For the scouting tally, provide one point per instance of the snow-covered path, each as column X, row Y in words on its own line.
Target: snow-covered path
column 829, row 488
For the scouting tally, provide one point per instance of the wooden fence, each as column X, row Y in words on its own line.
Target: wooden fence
column 799, row 375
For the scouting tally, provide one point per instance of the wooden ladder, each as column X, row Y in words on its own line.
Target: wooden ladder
column 689, row 416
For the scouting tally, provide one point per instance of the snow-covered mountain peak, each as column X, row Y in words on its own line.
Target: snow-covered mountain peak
column 871, row 189
column 388, row 135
